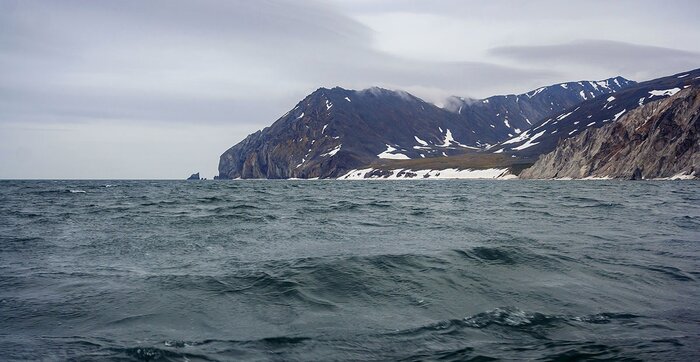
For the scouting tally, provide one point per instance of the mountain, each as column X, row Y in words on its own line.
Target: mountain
column 544, row 136
column 660, row 139
column 509, row 115
column 333, row 131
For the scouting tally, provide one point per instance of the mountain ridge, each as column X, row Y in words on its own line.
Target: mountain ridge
column 544, row 136
column 335, row 130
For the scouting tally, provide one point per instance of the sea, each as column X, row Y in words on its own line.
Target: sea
column 417, row 270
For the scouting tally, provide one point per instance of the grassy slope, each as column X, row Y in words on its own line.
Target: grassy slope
column 465, row 161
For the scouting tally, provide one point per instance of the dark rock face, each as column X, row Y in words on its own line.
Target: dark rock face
column 658, row 140
column 336, row 130
column 544, row 136
column 194, row 176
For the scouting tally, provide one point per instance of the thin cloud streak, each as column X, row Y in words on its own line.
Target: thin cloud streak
column 632, row 60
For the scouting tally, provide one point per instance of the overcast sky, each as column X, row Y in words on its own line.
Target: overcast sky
column 160, row 88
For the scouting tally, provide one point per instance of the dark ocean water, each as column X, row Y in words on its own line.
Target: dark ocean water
column 328, row 270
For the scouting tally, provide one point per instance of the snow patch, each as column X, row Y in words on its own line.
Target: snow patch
column 543, row 124
column 565, row 115
column 523, row 136
column 420, row 141
column 449, row 173
column 332, row 152
column 535, row 92
column 665, row 92
column 619, row 114
column 529, row 142
column 449, row 140
column 388, row 154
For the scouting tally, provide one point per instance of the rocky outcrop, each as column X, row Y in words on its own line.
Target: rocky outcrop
column 660, row 139
column 194, row 176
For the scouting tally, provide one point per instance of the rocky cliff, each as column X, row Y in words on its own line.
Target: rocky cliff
column 657, row 140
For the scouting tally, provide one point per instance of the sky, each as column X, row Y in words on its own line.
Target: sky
column 158, row 89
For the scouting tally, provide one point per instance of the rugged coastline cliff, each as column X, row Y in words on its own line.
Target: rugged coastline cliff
column 657, row 140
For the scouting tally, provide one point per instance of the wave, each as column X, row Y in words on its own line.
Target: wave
column 157, row 354
column 514, row 318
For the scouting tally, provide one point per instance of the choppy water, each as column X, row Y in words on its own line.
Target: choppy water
column 327, row 270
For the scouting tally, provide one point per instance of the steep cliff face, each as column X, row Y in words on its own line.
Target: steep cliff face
column 660, row 139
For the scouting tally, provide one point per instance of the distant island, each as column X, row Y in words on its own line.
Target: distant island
column 612, row 128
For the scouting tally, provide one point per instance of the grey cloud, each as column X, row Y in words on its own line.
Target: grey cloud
column 678, row 11
column 205, row 61
column 639, row 62
column 65, row 51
